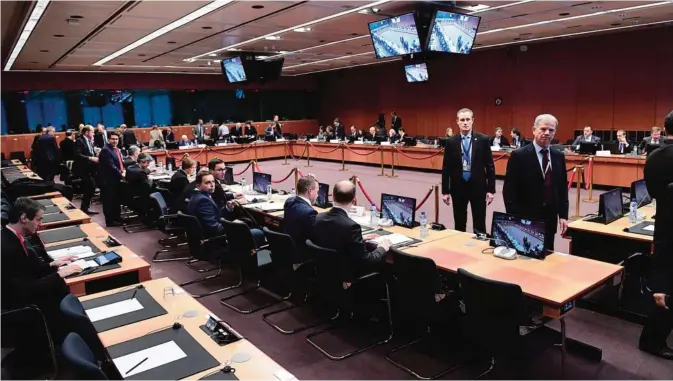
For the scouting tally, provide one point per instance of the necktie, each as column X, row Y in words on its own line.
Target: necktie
column 466, row 143
column 547, row 176
column 88, row 144
column 121, row 162
column 23, row 243
column 621, row 147
column 105, row 137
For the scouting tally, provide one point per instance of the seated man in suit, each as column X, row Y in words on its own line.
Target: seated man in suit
column 250, row 129
column 132, row 158
column 586, row 137
column 392, row 136
column 27, row 277
column 128, row 137
column 624, row 145
column 654, row 138
column 335, row 230
column 180, row 178
column 137, row 174
column 299, row 215
column 498, row 140
column 518, row 141
column 184, row 141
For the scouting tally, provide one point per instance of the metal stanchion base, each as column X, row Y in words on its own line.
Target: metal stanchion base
column 575, row 218
column 590, row 200
column 286, row 163
column 343, row 169
column 391, row 175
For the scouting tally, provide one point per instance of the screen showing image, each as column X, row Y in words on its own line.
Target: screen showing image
column 395, row 36
column 453, row 32
column 639, row 191
column 106, row 258
column 401, row 210
column 612, row 205
column 233, row 69
column 416, row 73
column 323, row 194
column 523, row 235
column 260, row 181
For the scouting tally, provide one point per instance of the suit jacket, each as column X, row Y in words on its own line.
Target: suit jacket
column 67, row 149
column 658, row 173
column 179, row 181
column 628, row 149
column 169, row 137
column 138, row 179
column 581, row 139
column 299, row 218
column 340, row 132
column 220, row 196
column 199, row 131
column 203, row 207
column 109, row 170
column 482, row 167
column 523, row 142
column 128, row 161
column 335, row 230
column 393, row 139
column 47, row 152
column 503, row 141
column 98, row 139
column 396, row 124
column 648, row 140
column 523, row 190
column 128, row 138
column 82, row 165
column 251, row 131
column 26, row 279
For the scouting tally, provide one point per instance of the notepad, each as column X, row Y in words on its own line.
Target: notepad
column 80, row 251
column 394, row 238
column 649, row 228
column 157, row 356
column 114, row 309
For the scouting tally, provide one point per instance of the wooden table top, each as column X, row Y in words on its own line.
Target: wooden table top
column 96, row 234
column 75, row 216
column 46, row 195
column 259, row 367
column 556, row 280
column 616, row 228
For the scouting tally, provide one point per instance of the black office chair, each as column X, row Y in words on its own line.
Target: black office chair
column 297, row 274
column 634, row 283
column 166, row 223
column 420, row 137
column 202, row 249
column 418, row 296
column 82, row 361
column 243, row 251
column 14, row 322
column 335, row 284
column 494, row 312
column 79, row 323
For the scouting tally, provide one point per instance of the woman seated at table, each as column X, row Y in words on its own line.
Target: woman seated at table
column 180, row 178
column 156, row 138
column 449, row 132
column 329, row 133
column 321, row 133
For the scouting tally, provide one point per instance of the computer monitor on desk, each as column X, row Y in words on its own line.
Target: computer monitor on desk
column 651, row 148
column 609, row 207
column 589, row 148
column 524, row 235
column 401, row 210
column 323, row 196
column 639, row 192
column 260, row 182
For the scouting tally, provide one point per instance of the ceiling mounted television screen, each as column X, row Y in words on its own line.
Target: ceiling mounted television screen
column 395, row 36
column 233, row 69
column 452, row 32
column 416, row 72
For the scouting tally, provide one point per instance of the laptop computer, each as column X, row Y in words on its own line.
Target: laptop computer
column 609, row 207
column 640, row 193
column 524, row 235
column 401, row 210
column 260, row 182
column 323, row 196
column 589, row 148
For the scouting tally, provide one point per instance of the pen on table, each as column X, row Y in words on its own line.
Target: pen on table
column 135, row 366
column 134, row 293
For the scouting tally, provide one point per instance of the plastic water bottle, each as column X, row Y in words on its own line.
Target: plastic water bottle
column 633, row 212
column 169, row 167
column 243, row 185
column 269, row 191
column 424, row 226
column 374, row 217
column 293, row 192
column 654, row 203
column 635, row 150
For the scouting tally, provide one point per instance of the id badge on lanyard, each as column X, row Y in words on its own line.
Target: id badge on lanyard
column 467, row 166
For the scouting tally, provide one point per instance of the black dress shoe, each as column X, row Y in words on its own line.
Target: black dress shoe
column 91, row 212
column 664, row 353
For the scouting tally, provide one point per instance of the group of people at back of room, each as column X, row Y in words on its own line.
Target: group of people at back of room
column 535, row 187
column 221, row 132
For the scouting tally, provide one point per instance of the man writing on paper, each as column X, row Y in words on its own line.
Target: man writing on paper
column 535, row 182
column 659, row 181
column 468, row 174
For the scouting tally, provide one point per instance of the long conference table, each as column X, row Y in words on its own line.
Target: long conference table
column 616, row 170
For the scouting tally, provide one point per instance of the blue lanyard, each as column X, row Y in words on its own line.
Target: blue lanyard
column 466, row 150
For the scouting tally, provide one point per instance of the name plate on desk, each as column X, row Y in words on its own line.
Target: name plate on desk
column 603, row 153
column 385, row 143
column 185, row 147
column 358, row 142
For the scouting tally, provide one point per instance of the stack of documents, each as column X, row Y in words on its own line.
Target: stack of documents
column 394, row 238
column 77, row 251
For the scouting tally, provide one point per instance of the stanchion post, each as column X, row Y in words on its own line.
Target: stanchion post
column 579, row 170
column 308, row 155
column 382, row 170
column 436, row 203
column 287, row 147
column 392, row 163
column 254, row 165
column 591, row 182
column 343, row 159
column 296, row 178
column 354, row 180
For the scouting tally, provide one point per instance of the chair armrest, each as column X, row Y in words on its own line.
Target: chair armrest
column 367, row 276
column 214, row 239
column 168, row 217
column 262, row 247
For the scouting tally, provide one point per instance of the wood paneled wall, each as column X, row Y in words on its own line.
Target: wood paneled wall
column 622, row 80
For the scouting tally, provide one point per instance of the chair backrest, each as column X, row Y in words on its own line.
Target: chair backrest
column 332, row 273
column 282, row 247
column 494, row 310
column 20, row 155
column 79, row 355
column 416, row 283
column 243, row 245
column 80, row 324
column 157, row 199
column 194, row 234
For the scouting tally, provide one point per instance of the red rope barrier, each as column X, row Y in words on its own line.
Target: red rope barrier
column 300, row 174
column 236, row 153
column 500, row 157
column 259, row 169
column 363, row 154
column 424, row 199
column 378, row 207
column 590, row 170
column 243, row 171
column 417, row 158
column 314, row 147
column 286, row 177
column 287, row 148
column 572, row 178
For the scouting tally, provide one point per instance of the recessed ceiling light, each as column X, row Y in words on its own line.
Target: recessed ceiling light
column 564, row 14
column 44, row 51
column 232, row 50
column 303, row 29
column 517, row 38
column 76, row 17
column 212, row 55
column 215, row 61
column 257, row 6
column 634, row 21
column 272, row 38
column 171, row 42
column 34, row 62
column 59, row 35
column 321, row 41
column 375, row 10
column 206, row 27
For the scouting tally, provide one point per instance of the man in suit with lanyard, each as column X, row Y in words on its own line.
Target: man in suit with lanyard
column 85, row 166
column 199, row 131
column 110, row 174
column 536, row 183
column 468, row 174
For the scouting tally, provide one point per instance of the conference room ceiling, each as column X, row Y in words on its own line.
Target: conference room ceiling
column 82, row 35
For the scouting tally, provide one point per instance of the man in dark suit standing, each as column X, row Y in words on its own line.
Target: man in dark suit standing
column 659, row 180
column 299, row 215
column 101, row 136
column 536, row 183
column 85, row 166
column 68, row 146
column 110, row 173
column 468, row 174
column 128, row 137
column 339, row 129
column 335, row 230
column 199, row 131
column 395, row 122
column 47, row 155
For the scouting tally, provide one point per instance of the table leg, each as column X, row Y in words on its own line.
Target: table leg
column 563, row 345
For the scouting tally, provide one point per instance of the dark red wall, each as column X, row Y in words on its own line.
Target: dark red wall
column 622, row 80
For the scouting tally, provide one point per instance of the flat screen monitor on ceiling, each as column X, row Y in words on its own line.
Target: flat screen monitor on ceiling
column 233, row 69
column 452, row 32
column 395, row 36
column 417, row 72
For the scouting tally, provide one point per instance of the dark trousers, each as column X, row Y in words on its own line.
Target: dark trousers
column 109, row 193
column 657, row 328
column 46, row 171
column 550, row 218
column 477, row 200
column 88, row 189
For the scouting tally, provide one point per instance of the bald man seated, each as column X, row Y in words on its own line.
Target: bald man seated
column 335, row 230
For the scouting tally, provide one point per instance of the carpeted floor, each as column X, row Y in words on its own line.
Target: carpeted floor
column 618, row 339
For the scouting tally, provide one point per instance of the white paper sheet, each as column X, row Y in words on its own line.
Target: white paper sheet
column 114, row 309
column 394, row 238
column 649, row 228
column 84, row 264
column 78, row 251
column 157, row 356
